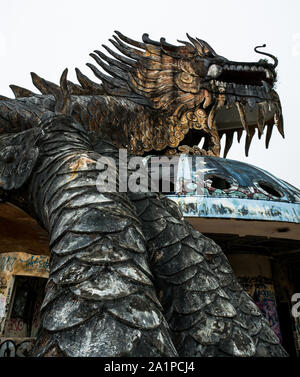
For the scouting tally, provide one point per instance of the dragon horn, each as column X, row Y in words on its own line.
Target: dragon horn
column 198, row 46
column 44, row 86
column 129, row 40
column 267, row 54
column 63, row 104
column 20, row 92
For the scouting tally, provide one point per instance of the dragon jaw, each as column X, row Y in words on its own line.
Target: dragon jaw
column 244, row 99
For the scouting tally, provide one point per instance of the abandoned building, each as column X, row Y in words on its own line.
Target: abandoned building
column 162, row 101
column 251, row 214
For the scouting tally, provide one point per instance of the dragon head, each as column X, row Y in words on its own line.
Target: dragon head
column 191, row 92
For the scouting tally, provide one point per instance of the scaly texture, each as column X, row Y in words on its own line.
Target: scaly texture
column 100, row 299
column 208, row 311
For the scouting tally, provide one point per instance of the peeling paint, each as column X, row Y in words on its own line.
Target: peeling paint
column 248, row 192
column 244, row 209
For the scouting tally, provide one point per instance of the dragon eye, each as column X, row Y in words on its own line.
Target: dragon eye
column 214, row 70
column 185, row 77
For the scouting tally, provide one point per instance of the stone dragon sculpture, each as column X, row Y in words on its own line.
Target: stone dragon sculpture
column 129, row 276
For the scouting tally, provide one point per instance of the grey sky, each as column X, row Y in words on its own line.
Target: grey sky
column 46, row 37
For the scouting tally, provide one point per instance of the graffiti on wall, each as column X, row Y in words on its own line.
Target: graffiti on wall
column 5, row 297
column 2, row 305
column 262, row 291
column 3, row 285
column 13, row 266
column 15, row 347
column 234, row 207
column 30, row 262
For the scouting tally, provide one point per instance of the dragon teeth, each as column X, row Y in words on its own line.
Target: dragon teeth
column 261, row 118
column 268, row 74
column 269, row 134
column 279, row 123
column 221, row 84
column 242, row 116
column 228, row 142
column 241, row 67
column 248, row 141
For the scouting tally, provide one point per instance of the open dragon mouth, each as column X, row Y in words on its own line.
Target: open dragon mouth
column 246, row 75
column 246, row 101
column 249, row 105
column 251, row 84
column 242, row 80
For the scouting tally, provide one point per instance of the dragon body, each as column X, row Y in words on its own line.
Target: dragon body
column 129, row 276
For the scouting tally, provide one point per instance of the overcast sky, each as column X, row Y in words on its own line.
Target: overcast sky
column 47, row 36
